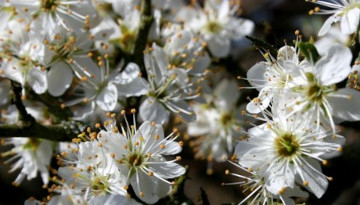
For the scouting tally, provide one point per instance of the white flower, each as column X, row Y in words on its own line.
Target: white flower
column 72, row 15
column 273, row 77
column 127, row 30
column 93, row 174
column 259, row 189
column 346, row 11
column 139, row 154
column 216, row 25
column 123, row 7
column 289, row 150
column 102, row 87
column 169, row 89
column 333, row 36
column 217, row 122
column 316, row 91
column 184, row 50
column 32, row 155
column 69, row 54
column 23, row 57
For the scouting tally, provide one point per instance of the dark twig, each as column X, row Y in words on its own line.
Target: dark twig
column 25, row 119
column 137, row 55
column 28, row 127
column 36, row 130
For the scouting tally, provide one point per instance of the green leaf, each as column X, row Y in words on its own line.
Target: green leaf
column 261, row 44
column 309, row 51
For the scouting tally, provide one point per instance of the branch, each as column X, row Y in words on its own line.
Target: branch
column 36, row 130
column 137, row 55
column 52, row 104
column 28, row 127
column 25, row 118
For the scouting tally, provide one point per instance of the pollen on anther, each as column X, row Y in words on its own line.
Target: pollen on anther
column 324, row 162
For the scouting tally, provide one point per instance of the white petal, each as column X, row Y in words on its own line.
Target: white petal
column 335, row 65
column 202, row 63
column 287, row 53
column 112, row 199
column 130, row 73
column 256, row 75
column 154, row 64
column 260, row 103
column 108, row 97
column 171, row 148
column 188, row 115
column 88, row 65
column 148, row 131
column 167, row 170
column 152, row 188
column 152, row 110
column 178, row 41
column 226, row 94
column 317, row 183
column 346, row 108
column 219, row 47
column 137, row 87
column 224, row 9
column 241, row 28
column 59, row 78
column 37, row 80
column 83, row 111
column 326, row 26
column 198, row 128
column 350, row 21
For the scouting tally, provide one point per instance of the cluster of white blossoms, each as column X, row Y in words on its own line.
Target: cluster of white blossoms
column 64, row 63
column 108, row 162
column 299, row 102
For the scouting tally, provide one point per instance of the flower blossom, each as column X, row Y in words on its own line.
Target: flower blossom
column 345, row 11
column 289, row 150
column 216, row 24
column 139, row 155
column 217, row 123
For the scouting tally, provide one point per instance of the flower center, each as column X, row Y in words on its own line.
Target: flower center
column 213, row 27
column 32, row 144
column 286, row 145
column 316, row 92
column 48, row 4
column 283, row 80
column 226, row 119
column 135, row 160
column 99, row 185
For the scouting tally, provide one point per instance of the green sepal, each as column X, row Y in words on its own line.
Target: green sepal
column 309, row 51
column 261, row 44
